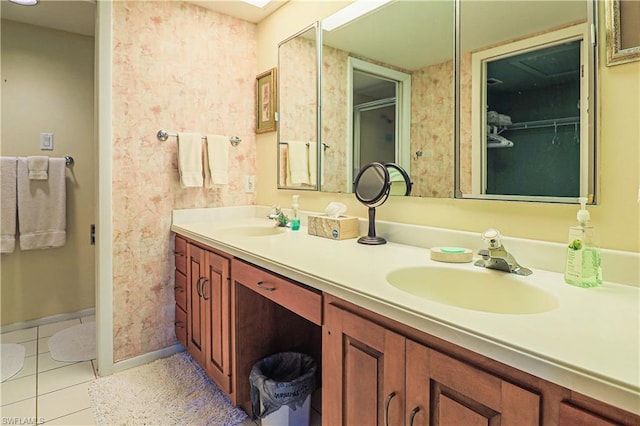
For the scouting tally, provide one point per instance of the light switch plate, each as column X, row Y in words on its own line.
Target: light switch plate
column 46, row 141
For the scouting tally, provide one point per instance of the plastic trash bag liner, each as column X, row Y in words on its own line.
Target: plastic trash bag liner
column 285, row 378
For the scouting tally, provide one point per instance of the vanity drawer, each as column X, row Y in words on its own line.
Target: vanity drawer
column 181, row 326
column 180, row 290
column 181, row 254
column 296, row 298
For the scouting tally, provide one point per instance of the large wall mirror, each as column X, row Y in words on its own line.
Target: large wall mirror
column 526, row 100
column 298, row 121
column 387, row 95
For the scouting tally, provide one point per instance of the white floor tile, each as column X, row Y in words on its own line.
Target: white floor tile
column 46, row 363
column 84, row 417
column 19, row 336
column 49, row 330
column 43, row 345
column 28, row 368
column 63, row 377
column 64, row 402
column 30, row 348
column 23, row 410
column 18, row 389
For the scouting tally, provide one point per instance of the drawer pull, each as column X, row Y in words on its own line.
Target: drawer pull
column 203, row 284
column 198, row 286
column 179, row 289
column 178, row 324
column 261, row 286
column 386, row 407
column 413, row 415
column 178, row 253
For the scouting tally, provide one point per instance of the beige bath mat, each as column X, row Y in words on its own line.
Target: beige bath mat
column 77, row 343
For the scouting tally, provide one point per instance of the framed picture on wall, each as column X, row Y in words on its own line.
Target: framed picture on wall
column 266, row 101
column 623, row 37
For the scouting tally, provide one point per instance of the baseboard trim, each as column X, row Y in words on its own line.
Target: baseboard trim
column 21, row 325
column 146, row 358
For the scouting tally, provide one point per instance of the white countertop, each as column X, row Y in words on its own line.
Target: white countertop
column 590, row 343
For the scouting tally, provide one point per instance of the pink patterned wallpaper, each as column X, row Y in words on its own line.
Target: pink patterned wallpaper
column 177, row 67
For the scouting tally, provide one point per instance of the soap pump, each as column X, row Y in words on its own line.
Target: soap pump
column 583, row 263
column 295, row 217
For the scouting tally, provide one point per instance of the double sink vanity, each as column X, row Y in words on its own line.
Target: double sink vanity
column 401, row 339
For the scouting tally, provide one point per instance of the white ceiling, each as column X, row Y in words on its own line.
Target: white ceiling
column 78, row 16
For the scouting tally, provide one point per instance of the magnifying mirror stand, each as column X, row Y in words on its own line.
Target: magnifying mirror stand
column 371, row 239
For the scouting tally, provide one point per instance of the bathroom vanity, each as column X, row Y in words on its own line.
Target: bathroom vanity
column 245, row 290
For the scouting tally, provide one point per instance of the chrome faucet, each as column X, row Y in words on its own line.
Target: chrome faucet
column 277, row 215
column 497, row 257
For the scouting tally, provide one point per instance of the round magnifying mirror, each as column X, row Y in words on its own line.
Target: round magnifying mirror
column 372, row 187
column 399, row 179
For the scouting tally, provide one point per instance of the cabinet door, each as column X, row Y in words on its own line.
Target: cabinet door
column 215, row 290
column 363, row 371
column 196, row 309
column 571, row 415
column 446, row 391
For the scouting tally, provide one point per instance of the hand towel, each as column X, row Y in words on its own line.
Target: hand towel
column 42, row 208
column 38, row 167
column 9, row 207
column 217, row 160
column 298, row 162
column 190, row 159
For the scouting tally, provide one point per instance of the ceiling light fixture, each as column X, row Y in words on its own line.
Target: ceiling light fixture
column 25, row 2
column 257, row 3
column 351, row 12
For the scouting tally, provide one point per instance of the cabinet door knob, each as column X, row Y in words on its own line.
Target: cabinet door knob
column 178, row 253
column 261, row 285
column 386, row 407
column 179, row 289
column 413, row 415
column 178, row 324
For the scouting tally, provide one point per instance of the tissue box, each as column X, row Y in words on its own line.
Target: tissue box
column 336, row 228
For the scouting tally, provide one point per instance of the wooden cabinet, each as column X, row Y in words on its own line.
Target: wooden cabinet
column 208, row 312
column 375, row 376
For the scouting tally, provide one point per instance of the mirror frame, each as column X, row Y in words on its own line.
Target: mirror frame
column 593, row 123
column 318, row 38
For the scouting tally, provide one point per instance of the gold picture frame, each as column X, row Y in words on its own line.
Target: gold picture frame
column 622, row 23
column 266, row 101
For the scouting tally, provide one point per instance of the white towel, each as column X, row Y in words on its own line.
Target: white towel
column 9, row 206
column 190, row 159
column 42, row 208
column 38, row 167
column 217, row 160
column 313, row 163
column 298, row 162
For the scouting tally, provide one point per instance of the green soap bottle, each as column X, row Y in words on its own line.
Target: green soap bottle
column 295, row 219
column 583, row 265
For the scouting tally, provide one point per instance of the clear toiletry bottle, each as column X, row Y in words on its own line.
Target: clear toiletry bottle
column 583, row 267
column 295, row 218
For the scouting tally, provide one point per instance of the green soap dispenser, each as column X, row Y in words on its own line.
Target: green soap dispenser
column 583, row 264
column 295, row 220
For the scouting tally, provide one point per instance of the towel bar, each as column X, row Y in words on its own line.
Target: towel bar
column 163, row 135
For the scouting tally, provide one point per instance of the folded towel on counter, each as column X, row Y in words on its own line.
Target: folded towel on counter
column 217, row 160
column 9, row 204
column 298, row 162
column 38, row 167
column 190, row 159
column 42, row 210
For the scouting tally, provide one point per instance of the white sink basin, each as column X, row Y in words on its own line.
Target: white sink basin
column 252, row 231
column 478, row 290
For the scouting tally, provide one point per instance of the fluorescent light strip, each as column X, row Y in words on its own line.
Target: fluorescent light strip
column 25, row 2
column 351, row 12
column 257, row 3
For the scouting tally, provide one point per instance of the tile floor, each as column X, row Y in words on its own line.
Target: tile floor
column 47, row 391
column 51, row 392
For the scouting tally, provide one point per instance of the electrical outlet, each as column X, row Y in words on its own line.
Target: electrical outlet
column 249, row 183
column 46, row 141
